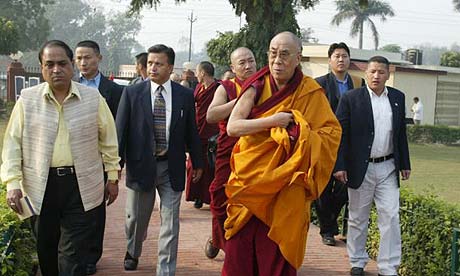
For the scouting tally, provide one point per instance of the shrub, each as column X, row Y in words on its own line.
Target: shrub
column 427, row 225
column 19, row 260
column 426, row 230
column 433, row 134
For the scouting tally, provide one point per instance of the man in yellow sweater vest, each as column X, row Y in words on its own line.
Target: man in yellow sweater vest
column 59, row 137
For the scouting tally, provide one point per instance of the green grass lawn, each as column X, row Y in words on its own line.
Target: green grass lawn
column 435, row 170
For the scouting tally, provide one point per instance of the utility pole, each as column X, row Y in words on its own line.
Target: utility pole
column 192, row 20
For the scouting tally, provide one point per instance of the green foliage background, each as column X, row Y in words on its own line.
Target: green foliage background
column 20, row 260
column 433, row 134
column 426, row 230
column 450, row 59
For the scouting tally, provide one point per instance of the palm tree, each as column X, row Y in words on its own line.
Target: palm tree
column 360, row 13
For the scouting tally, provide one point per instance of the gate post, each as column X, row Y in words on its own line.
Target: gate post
column 14, row 69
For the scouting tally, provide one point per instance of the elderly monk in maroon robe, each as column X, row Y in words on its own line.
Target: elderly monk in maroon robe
column 288, row 144
column 243, row 65
column 204, row 93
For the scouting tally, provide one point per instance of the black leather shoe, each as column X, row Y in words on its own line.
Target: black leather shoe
column 357, row 271
column 198, row 204
column 90, row 269
column 328, row 239
column 130, row 262
column 209, row 250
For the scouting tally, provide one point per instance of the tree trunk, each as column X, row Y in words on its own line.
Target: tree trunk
column 361, row 35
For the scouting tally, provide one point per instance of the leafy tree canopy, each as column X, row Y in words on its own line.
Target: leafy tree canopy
column 456, row 5
column 306, row 35
column 115, row 35
column 450, row 59
column 264, row 18
column 394, row 48
column 8, row 37
column 29, row 18
column 220, row 48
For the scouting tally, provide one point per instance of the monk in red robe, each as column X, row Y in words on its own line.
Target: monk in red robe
column 288, row 144
column 243, row 65
column 204, row 93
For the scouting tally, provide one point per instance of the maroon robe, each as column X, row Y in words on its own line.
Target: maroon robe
column 225, row 145
column 243, row 256
column 200, row 190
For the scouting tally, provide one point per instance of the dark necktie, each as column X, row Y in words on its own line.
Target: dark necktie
column 159, row 122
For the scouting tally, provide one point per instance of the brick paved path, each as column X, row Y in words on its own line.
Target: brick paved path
column 320, row 260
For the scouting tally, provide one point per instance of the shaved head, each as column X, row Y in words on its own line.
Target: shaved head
column 239, row 51
column 289, row 36
column 243, row 63
column 284, row 56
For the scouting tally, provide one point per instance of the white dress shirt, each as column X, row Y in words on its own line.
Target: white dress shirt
column 167, row 95
column 383, row 124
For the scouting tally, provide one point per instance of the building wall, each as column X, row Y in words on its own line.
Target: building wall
column 423, row 86
column 418, row 85
column 315, row 67
column 448, row 100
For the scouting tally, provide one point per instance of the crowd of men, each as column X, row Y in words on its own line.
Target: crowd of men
column 284, row 142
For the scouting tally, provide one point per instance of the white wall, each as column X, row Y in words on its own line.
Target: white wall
column 421, row 85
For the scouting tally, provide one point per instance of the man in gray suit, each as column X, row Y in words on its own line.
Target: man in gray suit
column 155, row 125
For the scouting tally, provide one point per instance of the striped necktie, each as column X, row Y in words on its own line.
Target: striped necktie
column 159, row 122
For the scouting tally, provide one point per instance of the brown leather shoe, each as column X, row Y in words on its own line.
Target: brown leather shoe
column 209, row 250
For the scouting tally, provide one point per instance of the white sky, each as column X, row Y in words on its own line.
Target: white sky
column 415, row 22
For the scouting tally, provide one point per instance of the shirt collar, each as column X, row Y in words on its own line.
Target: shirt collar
column 97, row 78
column 166, row 86
column 342, row 82
column 372, row 93
column 73, row 91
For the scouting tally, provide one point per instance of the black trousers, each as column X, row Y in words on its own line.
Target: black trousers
column 63, row 228
column 97, row 237
column 329, row 204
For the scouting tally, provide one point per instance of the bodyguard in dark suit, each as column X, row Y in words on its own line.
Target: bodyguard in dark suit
column 336, row 83
column 156, row 126
column 87, row 58
column 372, row 154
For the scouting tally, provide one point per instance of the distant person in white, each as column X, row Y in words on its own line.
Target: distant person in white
column 417, row 110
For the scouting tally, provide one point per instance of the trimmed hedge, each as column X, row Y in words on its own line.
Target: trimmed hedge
column 427, row 225
column 20, row 259
column 433, row 134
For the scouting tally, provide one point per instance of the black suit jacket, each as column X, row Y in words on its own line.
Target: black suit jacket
column 328, row 83
column 136, row 139
column 111, row 91
column 355, row 115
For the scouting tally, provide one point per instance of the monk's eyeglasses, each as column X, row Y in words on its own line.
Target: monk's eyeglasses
column 283, row 55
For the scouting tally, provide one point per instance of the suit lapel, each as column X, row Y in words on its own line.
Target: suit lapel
column 177, row 111
column 333, row 85
column 104, row 88
column 146, row 102
column 367, row 104
column 394, row 108
column 350, row 82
